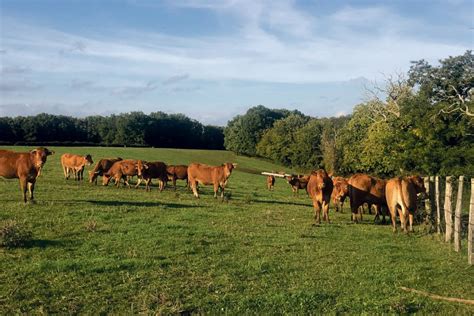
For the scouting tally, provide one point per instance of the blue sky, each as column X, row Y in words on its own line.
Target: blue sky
column 212, row 60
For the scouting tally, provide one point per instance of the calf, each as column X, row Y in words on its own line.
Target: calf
column 152, row 170
column 122, row 170
column 297, row 182
column 401, row 195
column 76, row 164
column 366, row 189
column 270, row 183
column 339, row 193
column 206, row 175
column 178, row 172
column 24, row 166
column 320, row 188
column 101, row 167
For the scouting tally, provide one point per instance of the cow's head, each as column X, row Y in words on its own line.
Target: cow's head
column 292, row 180
column 106, row 179
column 93, row 175
column 419, row 185
column 341, row 188
column 141, row 166
column 88, row 159
column 228, row 167
column 39, row 156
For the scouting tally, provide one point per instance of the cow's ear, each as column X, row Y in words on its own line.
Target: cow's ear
column 49, row 152
column 33, row 151
column 234, row 165
column 146, row 166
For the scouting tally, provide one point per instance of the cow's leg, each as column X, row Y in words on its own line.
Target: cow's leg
column 23, row 188
column 317, row 212
column 222, row 190
column 31, row 189
column 354, row 210
column 326, row 211
column 194, row 188
column 147, row 185
column 174, row 182
column 216, row 189
column 403, row 219
column 377, row 214
column 65, row 172
column 410, row 217
column 393, row 216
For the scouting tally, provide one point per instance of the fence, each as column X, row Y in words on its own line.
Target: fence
column 453, row 230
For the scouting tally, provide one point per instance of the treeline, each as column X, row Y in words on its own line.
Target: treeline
column 419, row 122
column 157, row 129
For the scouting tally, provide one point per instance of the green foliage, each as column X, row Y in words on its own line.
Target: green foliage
column 131, row 129
column 243, row 132
column 14, row 234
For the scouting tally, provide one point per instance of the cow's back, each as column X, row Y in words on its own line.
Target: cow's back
column 13, row 164
column 178, row 171
column 363, row 188
column 202, row 173
column 71, row 160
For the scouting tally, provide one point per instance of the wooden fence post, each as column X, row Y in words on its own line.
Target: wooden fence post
column 438, row 206
column 428, row 208
column 448, row 210
column 470, row 250
column 457, row 216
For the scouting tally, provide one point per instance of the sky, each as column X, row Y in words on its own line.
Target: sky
column 212, row 60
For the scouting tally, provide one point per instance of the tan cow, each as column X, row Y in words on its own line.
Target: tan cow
column 152, row 170
column 339, row 193
column 319, row 188
column 24, row 166
column 401, row 195
column 270, row 183
column 177, row 172
column 75, row 164
column 101, row 167
column 366, row 189
column 207, row 175
column 122, row 170
column 297, row 182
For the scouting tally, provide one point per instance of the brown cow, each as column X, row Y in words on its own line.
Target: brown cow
column 178, row 172
column 152, row 170
column 122, row 170
column 297, row 182
column 366, row 189
column 206, row 175
column 23, row 166
column 270, row 183
column 319, row 188
column 401, row 195
column 75, row 164
column 339, row 193
column 101, row 167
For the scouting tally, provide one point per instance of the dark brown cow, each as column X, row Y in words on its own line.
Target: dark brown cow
column 75, row 164
column 270, row 183
column 339, row 193
column 366, row 189
column 319, row 188
column 401, row 195
column 122, row 170
column 297, row 182
column 206, row 175
column 152, row 170
column 23, row 166
column 177, row 172
column 101, row 167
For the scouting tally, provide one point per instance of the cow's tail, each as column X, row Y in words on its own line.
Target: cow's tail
column 401, row 199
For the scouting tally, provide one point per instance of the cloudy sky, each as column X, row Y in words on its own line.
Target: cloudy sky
column 211, row 59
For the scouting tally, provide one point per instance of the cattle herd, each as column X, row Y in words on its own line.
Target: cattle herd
column 388, row 197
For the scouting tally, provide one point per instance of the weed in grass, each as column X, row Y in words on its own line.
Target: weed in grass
column 91, row 225
column 14, row 234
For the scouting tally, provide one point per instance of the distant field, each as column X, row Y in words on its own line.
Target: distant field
column 256, row 252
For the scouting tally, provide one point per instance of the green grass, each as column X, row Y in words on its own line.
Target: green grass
column 106, row 250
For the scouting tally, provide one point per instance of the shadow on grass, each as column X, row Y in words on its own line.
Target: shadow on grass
column 139, row 203
column 46, row 243
column 281, row 202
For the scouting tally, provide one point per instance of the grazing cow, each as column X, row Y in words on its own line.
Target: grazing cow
column 178, row 172
column 75, row 164
column 297, row 182
column 206, row 175
column 366, row 189
column 339, row 193
column 122, row 170
column 319, row 188
column 270, row 183
column 101, row 167
column 152, row 170
column 401, row 195
column 23, row 166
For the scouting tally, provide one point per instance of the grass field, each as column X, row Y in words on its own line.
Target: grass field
column 122, row 251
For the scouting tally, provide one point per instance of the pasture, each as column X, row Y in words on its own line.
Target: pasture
column 106, row 250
